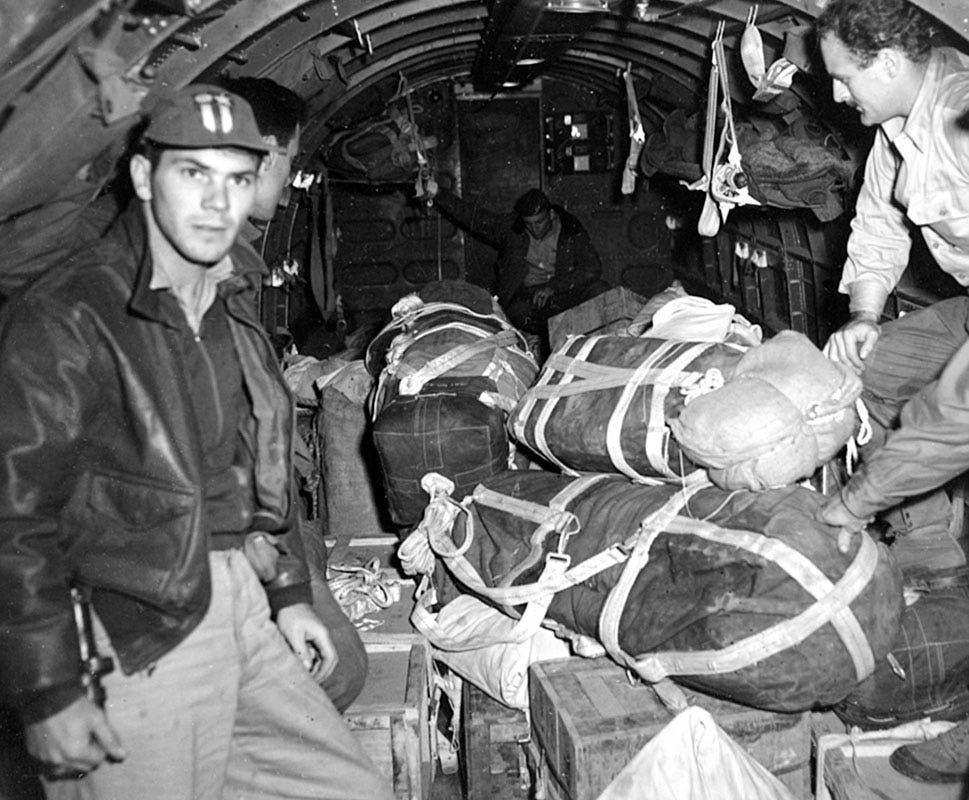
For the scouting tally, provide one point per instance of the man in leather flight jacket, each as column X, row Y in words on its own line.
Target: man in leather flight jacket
column 146, row 433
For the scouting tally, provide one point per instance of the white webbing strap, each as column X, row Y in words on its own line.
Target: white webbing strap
column 649, row 528
column 832, row 605
column 526, row 408
column 643, row 374
column 426, row 621
column 403, row 341
column 406, row 313
column 597, row 377
column 637, row 133
column 557, row 575
column 566, row 524
column 414, row 382
column 546, row 586
column 548, row 409
column 408, row 341
column 661, row 370
column 497, row 400
column 657, row 430
column 538, row 512
column 415, row 552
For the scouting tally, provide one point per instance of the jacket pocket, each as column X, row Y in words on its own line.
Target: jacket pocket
column 136, row 537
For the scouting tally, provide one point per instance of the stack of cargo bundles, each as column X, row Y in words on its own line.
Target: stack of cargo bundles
column 742, row 595
column 447, row 376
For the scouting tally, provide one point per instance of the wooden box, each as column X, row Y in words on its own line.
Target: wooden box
column 856, row 767
column 609, row 312
column 391, row 717
column 590, row 720
column 492, row 753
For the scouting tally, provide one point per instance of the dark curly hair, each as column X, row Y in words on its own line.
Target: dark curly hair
column 278, row 110
column 534, row 201
column 867, row 26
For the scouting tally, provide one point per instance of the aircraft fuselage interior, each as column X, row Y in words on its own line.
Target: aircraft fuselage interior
column 708, row 156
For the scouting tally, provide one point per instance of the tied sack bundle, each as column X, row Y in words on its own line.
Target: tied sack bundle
column 743, row 595
column 785, row 411
column 604, row 403
column 446, row 378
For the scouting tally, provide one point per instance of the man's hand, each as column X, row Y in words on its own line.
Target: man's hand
column 853, row 343
column 836, row 514
column 308, row 637
column 262, row 550
column 74, row 741
column 543, row 296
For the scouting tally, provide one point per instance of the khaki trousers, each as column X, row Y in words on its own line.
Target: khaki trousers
column 229, row 714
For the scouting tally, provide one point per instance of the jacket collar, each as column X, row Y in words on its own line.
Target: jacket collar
column 247, row 267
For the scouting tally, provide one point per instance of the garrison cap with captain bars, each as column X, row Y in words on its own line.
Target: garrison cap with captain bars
column 203, row 116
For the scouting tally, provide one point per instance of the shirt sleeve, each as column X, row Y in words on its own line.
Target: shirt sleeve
column 930, row 447
column 494, row 228
column 879, row 244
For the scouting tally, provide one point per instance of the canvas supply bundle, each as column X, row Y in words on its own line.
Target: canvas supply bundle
column 447, row 375
column 742, row 595
column 441, row 339
column 604, row 403
column 444, row 429
column 785, row 411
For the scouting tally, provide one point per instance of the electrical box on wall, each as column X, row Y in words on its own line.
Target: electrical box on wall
column 579, row 142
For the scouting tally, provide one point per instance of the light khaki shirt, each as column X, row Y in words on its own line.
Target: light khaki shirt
column 917, row 173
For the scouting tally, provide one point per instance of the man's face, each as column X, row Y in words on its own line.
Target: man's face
column 871, row 90
column 273, row 178
column 538, row 225
column 198, row 199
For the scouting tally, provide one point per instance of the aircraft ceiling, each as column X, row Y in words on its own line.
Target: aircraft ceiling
column 76, row 73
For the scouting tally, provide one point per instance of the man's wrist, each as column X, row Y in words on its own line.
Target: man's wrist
column 865, row 316
column 850, row 503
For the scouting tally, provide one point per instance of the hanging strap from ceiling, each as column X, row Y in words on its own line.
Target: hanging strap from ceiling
column 723, row 178
column 637, row 135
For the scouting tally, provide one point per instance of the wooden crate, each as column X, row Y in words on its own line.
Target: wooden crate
column 391, row 717
column 492, row 753
column 589, row 720
column 609, row 312
column 855, row 766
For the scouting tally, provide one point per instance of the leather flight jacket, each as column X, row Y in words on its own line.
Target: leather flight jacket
column 101, row 480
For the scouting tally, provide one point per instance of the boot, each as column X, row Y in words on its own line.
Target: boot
column 928, row 534
column 944, row 759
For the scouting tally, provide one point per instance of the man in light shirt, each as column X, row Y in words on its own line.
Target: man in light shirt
column 879, row 56
column 915, row 369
